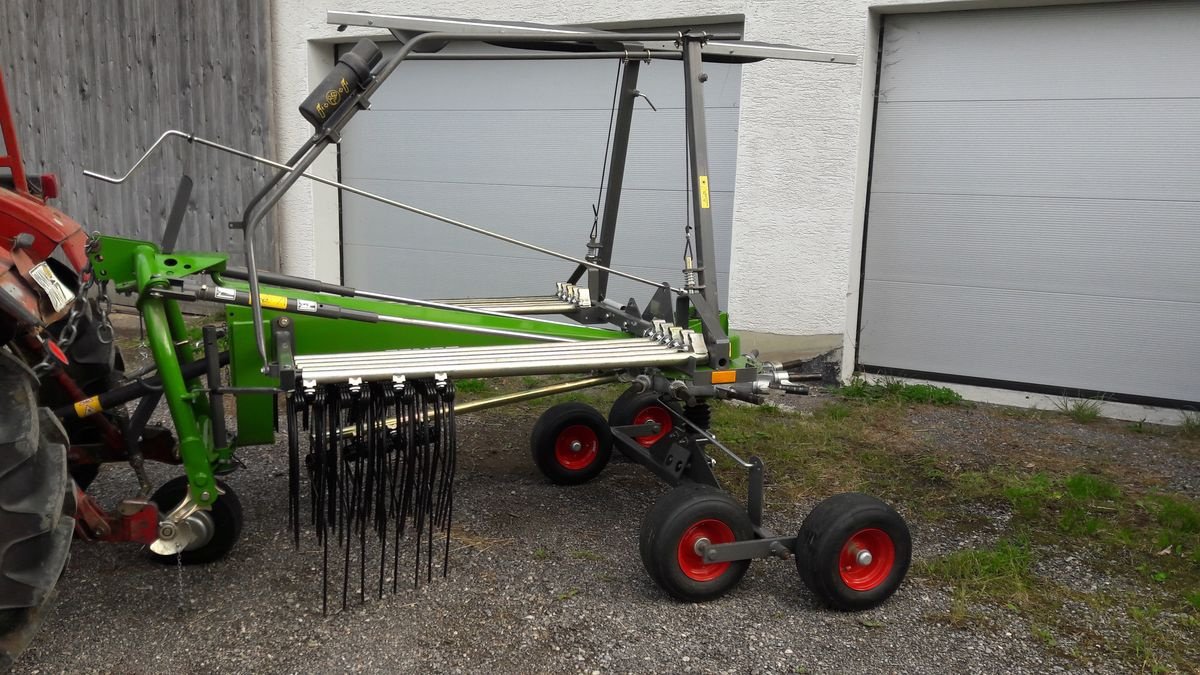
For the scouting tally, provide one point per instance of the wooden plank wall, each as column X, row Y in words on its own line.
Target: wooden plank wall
column 94, row 83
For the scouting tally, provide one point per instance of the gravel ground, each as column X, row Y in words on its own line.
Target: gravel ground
column 983, row 434
column 543, row 578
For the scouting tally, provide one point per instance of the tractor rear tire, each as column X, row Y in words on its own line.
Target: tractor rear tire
column 37, row 508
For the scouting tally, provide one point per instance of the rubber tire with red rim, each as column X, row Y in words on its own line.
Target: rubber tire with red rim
column 563, row 418
column 828, row 529
column 226, row 513
column 630, row 404
column 665, row 525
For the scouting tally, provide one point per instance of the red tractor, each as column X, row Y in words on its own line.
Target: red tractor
column 56, row 347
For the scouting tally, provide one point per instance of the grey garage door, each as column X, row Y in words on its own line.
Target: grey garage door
column 518, row 147
column 1034, row 215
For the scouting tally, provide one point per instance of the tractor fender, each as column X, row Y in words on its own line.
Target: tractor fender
column 18, row 301
column 50, row 228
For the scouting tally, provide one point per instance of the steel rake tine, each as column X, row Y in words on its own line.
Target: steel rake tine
column 293, row 470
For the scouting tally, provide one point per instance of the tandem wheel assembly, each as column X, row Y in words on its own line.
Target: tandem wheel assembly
column 696, row 542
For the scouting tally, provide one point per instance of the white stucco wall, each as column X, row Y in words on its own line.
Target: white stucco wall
column 800, row 159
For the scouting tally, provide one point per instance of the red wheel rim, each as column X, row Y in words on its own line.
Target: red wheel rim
column 576, row 447
column 867, row 559
column 690, row 561
column 653, row 413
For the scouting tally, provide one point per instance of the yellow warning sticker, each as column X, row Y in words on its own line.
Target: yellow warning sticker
column 704, row 192
column 272, row 301
column 89, row 406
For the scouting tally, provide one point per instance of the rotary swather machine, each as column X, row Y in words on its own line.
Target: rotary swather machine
column 372, row 431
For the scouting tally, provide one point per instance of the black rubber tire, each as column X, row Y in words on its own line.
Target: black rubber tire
column 629, row 404
column 828, row 528
column 227, row 523
column 84, row 474
column 668, row 521
column 37, row 508
column 551, row 425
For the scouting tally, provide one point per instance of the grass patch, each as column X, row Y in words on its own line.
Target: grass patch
column 898, row 391
column 835, row 411
column 1001, row 572
column 1086, row 486
column 1193, row 598
column 1140, row 427
column 1029, row 494
column 1175, row 515
column 1082, row 410
column 1190, row 427
column 472, row 386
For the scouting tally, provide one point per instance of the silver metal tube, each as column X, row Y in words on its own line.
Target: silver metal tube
column 589, row 346
column 473, row 329
column 192, row 138
column 403, row 366
column 507, row 298
column 486, row 311
column 532, row 310
column 546, row 56
column 711, row 439
column 531, row 394
column 614, row 362
column 506, row 399
column 404, row 360
column 314, row 286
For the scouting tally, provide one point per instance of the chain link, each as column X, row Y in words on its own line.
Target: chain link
column 70, row 331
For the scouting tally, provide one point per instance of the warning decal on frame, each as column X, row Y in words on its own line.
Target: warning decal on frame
column 704, row 192
column 89, row 406
column 272, row 301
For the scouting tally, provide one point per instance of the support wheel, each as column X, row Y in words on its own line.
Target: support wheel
column 853, row 551
column 634, row 407
column 671, row 530
column 571, row 443
column 216, row 530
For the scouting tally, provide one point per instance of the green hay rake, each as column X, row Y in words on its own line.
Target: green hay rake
column 373, row 430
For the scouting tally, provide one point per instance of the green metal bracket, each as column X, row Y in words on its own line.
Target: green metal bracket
column 133, row 265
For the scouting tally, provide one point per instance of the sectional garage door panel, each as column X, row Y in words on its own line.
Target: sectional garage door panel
column 986, row 241
column 1093, row 343
column 552, row 148
column 1034, row 211
column 1126, row 149
column 1109, row 50
column 518, row 147
column 420, row 251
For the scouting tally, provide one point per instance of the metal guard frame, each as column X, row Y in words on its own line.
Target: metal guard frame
column 434, row 32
